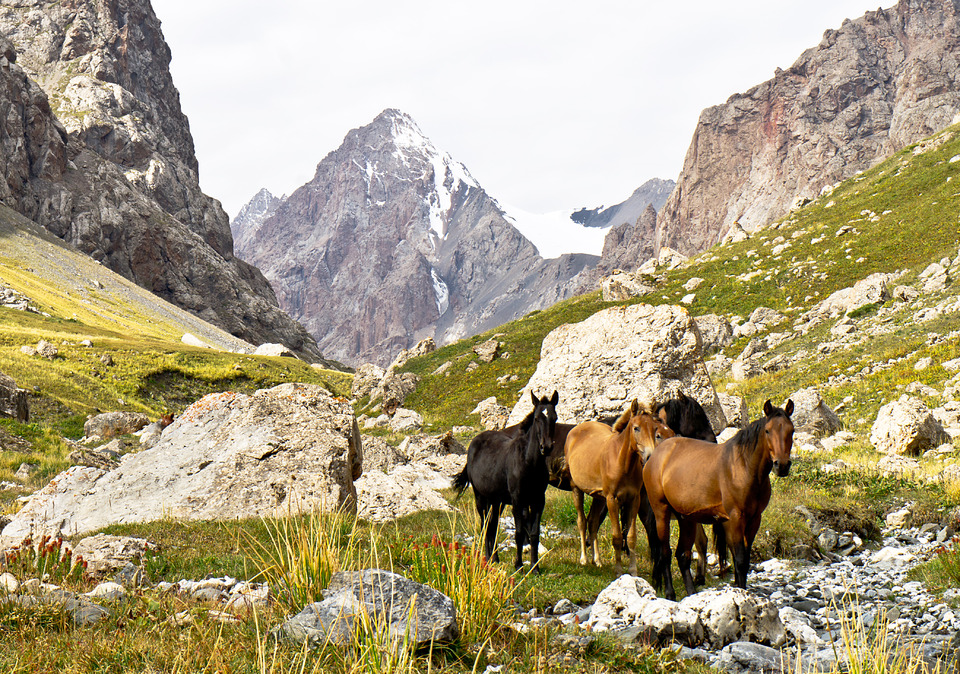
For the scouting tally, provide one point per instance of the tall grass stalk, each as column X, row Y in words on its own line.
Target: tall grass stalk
column 483, row 594
column 874, row 649
column 302, row 553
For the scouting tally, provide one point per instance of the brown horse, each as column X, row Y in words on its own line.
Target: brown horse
column 608, row 461
column 698, row 481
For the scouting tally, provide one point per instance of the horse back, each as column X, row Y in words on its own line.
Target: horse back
column 585, row 448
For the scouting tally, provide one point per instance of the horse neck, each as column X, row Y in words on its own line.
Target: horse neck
column 627, row 445
column 756, row 459
column 531, row 448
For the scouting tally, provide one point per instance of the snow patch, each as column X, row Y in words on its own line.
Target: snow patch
column 440, row 291
column 555, row 234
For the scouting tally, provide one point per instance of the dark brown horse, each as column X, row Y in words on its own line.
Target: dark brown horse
column 700, row 482
column 607, row 462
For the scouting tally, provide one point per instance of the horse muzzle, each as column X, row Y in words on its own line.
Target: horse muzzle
column 783, row 469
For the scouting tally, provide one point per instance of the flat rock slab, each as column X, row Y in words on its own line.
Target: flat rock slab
column 288, row 449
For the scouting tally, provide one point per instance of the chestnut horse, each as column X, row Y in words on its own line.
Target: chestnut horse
column 511, row 468
column 700, row 482
column 608, row 461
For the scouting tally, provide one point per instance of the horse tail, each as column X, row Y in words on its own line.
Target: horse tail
column 461, row 482
column 720, row 545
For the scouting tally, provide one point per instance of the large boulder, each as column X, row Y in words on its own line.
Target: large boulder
column 906, row 426
column 602, row 363
column 287, row 449
column 13, row 400
column 812, row 415
column 406, row 610
column 871, row 290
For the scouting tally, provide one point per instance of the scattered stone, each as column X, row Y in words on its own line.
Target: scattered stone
column 13, row 400
column 406, row 420
column 390, row 601
column 487, row 351
column 275, row 350
column 105, row 555
column 493, row 416
column 622, row 286
column 109, row 592
column 111, row 424
column 906, row 426
column 367, row 377
column 735, row 409
column 811, row 414
column 715, row 332
column 47, row 350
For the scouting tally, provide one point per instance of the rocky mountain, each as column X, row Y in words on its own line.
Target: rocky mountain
column 252, row 216
column 98, row 151
column 394, row 241
column 629, row 244
column 871, row 87
column 653, row 193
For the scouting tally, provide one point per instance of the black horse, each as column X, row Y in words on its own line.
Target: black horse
column 686, row 417
column 512, row 468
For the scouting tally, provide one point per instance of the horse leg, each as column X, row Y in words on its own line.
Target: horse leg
column 649, row 520
column 741, row 555
column 720, row 544
column 581, row 525
column 520, row 531
column 700, row 542
column 751, row 528
column 661, row 567
column 688, row 531
column 598, row 510
column 533, row 536
column 634, row 507
column 613, row 507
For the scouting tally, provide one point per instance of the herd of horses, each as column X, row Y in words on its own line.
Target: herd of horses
column 652, row 464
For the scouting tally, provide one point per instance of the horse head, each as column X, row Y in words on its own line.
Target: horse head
column 685, row 416
column 778, row 435
column 648, row 431
column 544, row 421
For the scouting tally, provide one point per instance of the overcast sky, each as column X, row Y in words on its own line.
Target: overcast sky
column 550, row 105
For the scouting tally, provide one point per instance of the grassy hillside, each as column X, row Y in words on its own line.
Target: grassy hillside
column 137, row 361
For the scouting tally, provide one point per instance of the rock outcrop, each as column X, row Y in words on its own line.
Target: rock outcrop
column 599, row 365
column 393, row 241
column 906, row 426
column 279, row 451
column 98, row 151
column 870, row 88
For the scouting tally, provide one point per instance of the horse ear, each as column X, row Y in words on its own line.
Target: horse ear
column 634, row 407
column 682, row 397
column 767, row 408
column 789, row 408
column 536, row 400
column 555, row 398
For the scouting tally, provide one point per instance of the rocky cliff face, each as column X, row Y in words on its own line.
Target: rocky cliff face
column 101, row 155
column 630, row 244
column 868, row 89
column 393, row 241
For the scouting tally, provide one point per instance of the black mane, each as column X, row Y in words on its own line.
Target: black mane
column 747, row 438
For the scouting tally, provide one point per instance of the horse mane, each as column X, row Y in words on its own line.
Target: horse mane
column 622, row 421
column 528, row 420
column 746, row 439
